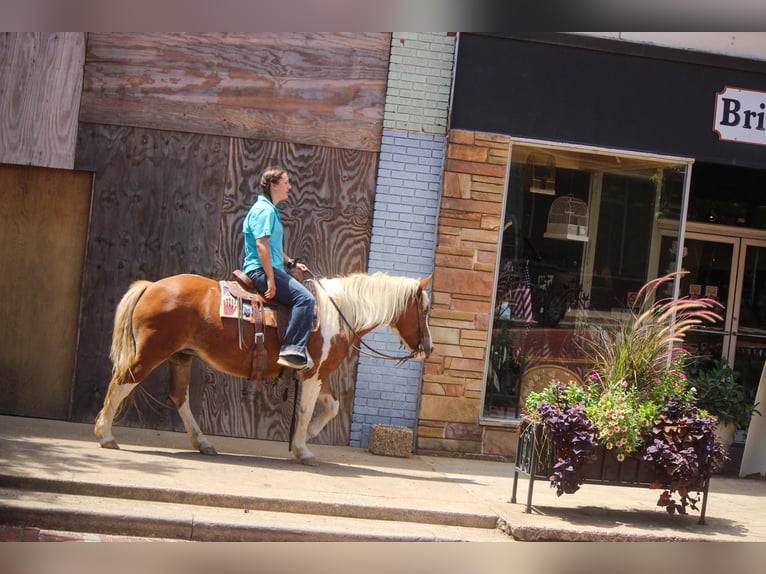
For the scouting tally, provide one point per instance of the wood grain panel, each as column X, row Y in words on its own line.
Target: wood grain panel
column 155, row 213
column 327, row 223
column 41, row 85
column 324, row 89
column 167, row 203
column 43, row 229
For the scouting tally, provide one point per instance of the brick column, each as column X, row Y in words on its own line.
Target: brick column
column 466, row 254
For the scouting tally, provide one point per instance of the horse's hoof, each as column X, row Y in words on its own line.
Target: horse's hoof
column 208, row 450
column 110, row 444
column 309, row 461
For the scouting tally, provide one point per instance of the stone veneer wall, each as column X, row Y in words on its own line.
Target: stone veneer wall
column 466, row 253
column 409, row 180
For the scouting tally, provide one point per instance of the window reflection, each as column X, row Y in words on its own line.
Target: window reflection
column 555, row 282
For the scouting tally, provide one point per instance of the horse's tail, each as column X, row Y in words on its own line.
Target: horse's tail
column 123, row 341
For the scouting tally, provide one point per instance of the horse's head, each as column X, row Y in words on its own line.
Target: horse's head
column 412, row 324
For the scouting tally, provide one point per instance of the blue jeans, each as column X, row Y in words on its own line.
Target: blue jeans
column 290, row 292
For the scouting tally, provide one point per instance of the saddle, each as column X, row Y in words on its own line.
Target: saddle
column 240, row 300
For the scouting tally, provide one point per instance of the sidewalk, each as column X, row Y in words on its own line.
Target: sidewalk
column 54, row 475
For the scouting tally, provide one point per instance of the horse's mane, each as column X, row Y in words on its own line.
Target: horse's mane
column 366, row 301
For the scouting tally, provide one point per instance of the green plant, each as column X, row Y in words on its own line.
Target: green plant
column 719, row 393
column 674, row 381
column 557, row 393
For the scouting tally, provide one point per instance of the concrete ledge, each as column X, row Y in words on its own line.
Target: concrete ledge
column 171, row 521
column 390, row 440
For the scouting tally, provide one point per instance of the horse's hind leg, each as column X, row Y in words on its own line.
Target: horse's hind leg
column 180, row 374
column 116, row 393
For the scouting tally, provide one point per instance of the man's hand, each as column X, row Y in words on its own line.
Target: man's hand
column 271, row 288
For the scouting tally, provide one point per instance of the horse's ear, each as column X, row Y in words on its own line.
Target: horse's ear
column 424, row 282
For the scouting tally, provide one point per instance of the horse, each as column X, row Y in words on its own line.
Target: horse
column 177, row 318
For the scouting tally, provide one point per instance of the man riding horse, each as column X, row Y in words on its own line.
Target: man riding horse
column 265, row 263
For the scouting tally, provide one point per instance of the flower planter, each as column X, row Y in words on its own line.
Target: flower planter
column 725, row 434
column 535, row 460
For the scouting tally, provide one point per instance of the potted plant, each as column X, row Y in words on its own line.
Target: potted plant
column 637, row 404
column 720, row 394
column 504, row 353
column 567, row 435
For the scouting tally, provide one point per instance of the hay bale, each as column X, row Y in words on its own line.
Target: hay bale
column 390, row 440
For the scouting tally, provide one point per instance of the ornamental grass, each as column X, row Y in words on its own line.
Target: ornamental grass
column 643, row 347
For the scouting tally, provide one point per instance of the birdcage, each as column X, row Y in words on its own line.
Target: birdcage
column 541, row 174
column 567, row 219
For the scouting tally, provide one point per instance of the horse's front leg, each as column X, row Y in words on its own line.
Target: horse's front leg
column 330, row 407
column 309, row 392
column 180, row 374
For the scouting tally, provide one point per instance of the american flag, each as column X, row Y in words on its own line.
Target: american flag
column 522, row 298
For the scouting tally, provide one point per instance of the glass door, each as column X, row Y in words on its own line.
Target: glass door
column 711, row 263
column 748, row 345
column 732, row 270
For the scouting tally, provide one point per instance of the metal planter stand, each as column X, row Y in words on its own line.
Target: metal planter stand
column 536, row 461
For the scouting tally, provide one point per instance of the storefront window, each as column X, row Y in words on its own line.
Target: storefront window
column 723, row 195
column 580, row 237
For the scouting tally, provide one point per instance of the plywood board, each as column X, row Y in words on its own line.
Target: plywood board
column 325, row 89
column 43, row 227
column 156, row 206
column 41, row 85
column 328, row 221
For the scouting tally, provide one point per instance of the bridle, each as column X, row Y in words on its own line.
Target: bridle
column 374, row 352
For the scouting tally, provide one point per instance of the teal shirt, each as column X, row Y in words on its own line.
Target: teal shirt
column 263, row 221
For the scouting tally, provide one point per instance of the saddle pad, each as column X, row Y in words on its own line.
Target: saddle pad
column 236, row 304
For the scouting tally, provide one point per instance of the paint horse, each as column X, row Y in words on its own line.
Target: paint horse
column 177, row 318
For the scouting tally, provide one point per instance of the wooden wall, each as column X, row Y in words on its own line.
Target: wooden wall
column 328, row 222
column 324, row 89
column 156, row 204
column 43, row 228
column 41, row 76
column 177, row 128
column 44, row 209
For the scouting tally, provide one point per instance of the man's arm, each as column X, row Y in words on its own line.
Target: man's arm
column 264, row 254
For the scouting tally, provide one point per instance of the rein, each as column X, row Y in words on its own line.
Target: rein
column 373, row 352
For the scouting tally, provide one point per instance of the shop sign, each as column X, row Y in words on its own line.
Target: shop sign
column 740, row 116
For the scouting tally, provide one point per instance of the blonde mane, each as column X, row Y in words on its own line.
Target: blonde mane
column 366, row 301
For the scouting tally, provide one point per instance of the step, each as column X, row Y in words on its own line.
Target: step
column 187, row 521
column 293, row 505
